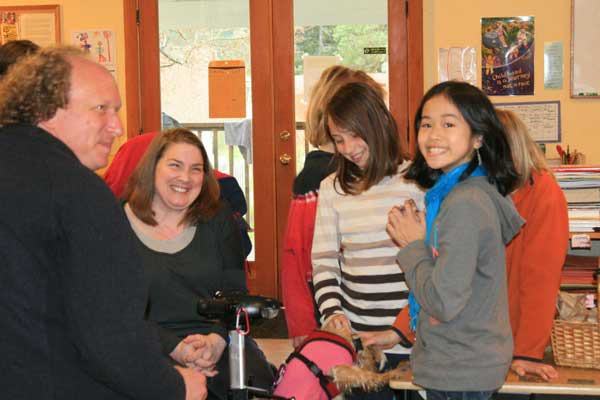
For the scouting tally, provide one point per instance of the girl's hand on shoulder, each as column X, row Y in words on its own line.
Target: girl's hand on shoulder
column 544, row 371
column 406, row 223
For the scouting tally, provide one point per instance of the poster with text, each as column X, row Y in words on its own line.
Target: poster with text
column 507, row 56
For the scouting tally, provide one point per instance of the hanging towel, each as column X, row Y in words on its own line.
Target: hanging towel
column 240, row 134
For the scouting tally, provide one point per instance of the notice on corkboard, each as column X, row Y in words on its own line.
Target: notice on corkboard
column 541, row 117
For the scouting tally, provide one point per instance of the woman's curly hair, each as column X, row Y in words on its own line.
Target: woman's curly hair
column 37, row 86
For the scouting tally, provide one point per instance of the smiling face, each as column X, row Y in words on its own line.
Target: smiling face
column 90, row 122
column 445, row 138
column 178, row 178
column 351, row 146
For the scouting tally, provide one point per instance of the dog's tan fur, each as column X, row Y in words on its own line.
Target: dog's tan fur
column 364, row 374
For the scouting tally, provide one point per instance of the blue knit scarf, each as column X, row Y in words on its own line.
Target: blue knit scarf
column 433, row 201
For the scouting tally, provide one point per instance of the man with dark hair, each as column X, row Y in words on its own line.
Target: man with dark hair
column 72, row 291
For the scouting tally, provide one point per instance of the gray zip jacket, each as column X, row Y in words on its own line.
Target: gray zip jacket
column 464, row 288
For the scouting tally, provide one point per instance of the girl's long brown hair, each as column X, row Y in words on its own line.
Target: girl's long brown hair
column 360, row 109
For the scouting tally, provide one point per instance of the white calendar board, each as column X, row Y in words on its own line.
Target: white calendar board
column 585, row 34
column 541, row 117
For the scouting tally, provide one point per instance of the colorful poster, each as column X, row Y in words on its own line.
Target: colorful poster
column 100, row 44
column 507, row 56
column 9, row 29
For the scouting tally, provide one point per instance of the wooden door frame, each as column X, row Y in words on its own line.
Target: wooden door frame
column 414, row 76
column 405, row 57
column 284, row 120
column 272, row 52
column 142, row 67
column 272, row 84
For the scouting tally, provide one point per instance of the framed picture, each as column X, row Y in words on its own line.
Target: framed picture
column 40, row 24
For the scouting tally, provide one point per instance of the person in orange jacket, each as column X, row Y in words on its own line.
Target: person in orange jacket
column 535, row 257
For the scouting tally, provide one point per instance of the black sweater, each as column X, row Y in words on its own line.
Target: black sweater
column 71, row 302
column 213, row 261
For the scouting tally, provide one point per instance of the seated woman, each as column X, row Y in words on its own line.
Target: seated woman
column 128, row 156
column 190, row 246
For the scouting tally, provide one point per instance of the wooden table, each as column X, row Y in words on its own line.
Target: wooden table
column 571, row 381
column 276, row 350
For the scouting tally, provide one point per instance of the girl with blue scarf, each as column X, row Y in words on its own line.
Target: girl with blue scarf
column 453, row 253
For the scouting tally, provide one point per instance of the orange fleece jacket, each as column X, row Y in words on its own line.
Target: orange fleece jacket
column 534, row 261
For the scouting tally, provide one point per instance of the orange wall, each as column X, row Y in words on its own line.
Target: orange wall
column 446, row 23
column 450, row 23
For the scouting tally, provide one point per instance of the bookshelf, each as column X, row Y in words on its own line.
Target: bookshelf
column 592, row 235
column 581, row 187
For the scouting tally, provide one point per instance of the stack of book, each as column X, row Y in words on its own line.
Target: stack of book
column 579, row 272
column 581, row 186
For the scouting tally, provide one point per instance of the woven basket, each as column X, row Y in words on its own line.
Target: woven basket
column 577, row 344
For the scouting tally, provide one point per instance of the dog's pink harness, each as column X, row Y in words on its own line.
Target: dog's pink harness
column 304, row 375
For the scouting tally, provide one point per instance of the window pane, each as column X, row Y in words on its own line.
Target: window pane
column 191, row 35
column 351, row 33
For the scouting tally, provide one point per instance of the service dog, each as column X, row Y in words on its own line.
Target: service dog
column 330, row 362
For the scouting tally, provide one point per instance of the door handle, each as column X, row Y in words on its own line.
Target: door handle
column 285, row 135
column 285, row 159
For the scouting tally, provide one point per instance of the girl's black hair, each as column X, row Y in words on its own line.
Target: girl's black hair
column 478, row 111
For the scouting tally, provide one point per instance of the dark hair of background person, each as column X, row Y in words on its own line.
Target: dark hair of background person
column 140, row 189
column 10, row 52
column 358, row 108
column 479, row 113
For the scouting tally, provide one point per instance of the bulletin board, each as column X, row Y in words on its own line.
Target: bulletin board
column 40, row 24
column 542, row 118
column 585, row 58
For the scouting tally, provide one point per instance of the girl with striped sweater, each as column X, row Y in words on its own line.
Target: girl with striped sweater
column 355, row 274
column 296, row 272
